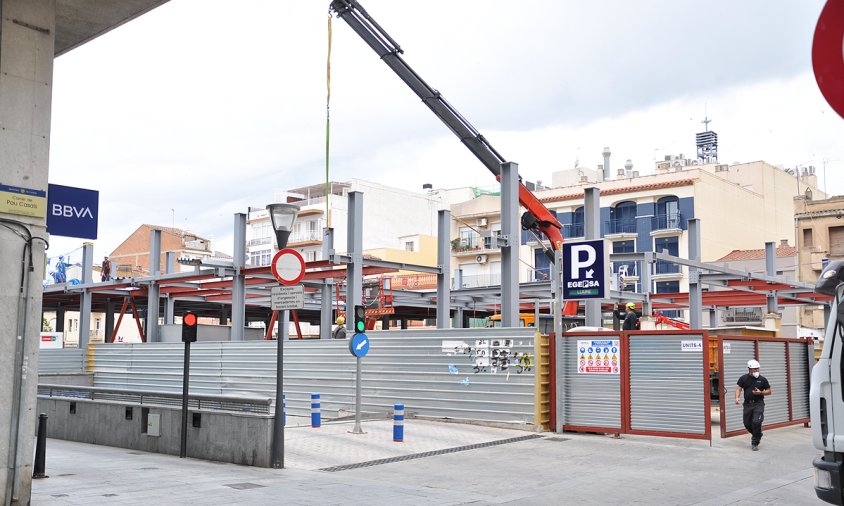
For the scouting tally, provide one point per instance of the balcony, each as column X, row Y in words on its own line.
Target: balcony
column 476, row 280
column 260, row 241
column 666, row 268
column 668, row 221
column 743, row 315
column 624, row 226
column 306, row 236
column 573, row 231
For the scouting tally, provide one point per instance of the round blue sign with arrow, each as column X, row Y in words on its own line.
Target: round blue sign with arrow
column 359, row 345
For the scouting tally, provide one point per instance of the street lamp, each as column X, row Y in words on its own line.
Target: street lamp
column 283, row 216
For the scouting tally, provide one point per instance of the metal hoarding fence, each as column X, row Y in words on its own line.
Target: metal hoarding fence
column 466, row 374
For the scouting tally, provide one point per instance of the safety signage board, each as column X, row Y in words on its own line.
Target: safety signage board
column 586, row 270
column 359, row 345
column 287, row 297
column 598, row 356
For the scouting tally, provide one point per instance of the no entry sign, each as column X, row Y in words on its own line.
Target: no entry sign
column 288, row 266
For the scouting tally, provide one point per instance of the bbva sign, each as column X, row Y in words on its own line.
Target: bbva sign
column 72, row 212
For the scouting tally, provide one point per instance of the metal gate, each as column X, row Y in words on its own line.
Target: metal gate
column 786, row 363
column 647, row 382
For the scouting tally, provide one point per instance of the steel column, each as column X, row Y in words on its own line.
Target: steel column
column 695, row 288
column 239, row 280
column 354, row 248
column 170, row 302
column 646, row 272
column 557, row 305
column 592, row 230
column 85, row 296
column 326, row 316
column 444, row 264
column 154, row 289
column 109, row 320
column 510, row 253
column 771, row 270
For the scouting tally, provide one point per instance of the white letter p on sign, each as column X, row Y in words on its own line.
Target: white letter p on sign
column 577, row 262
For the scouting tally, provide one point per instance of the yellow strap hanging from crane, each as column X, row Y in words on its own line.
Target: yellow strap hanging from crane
column 327, row 121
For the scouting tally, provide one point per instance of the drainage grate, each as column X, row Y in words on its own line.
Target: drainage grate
column 415, row 456
column 559, row 439
column 244, row 486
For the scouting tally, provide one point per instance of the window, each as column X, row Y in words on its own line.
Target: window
column 667, row 213
column 468, row 238
column 669, row 287
column 577, row 221
column 408, row 246
column 672, row 246
column 836, row 241
column 807, row 238
column 623, row 218
column 626, row 269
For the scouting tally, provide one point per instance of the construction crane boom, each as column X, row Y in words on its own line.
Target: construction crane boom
column 537, row 218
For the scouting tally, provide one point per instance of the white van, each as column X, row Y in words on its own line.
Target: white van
column 826, row 402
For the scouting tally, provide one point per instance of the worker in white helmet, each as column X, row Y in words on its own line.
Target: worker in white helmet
column 755, row 387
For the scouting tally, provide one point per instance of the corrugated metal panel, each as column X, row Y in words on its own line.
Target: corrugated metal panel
column 798, row 362
column 735, row 364
column 590, row 400
column 772, row 360
column 402, row 366
column 667, row 387
column 67, row 360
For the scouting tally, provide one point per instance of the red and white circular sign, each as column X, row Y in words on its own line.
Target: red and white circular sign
column 288, row 267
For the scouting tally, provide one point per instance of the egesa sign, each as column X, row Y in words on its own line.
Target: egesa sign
column 585, row 270
column 72, row 212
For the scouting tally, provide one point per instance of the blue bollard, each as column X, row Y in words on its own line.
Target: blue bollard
column 315, row 422
column 284, row 410
column 398, row 423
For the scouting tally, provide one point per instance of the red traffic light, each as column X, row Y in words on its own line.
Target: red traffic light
column 189, row 319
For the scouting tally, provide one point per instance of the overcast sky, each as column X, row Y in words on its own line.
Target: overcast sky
column 202, row 108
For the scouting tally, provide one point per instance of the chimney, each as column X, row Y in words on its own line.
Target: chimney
column 606, row 153
column 635, row 173
column 628, row 168
column 620, row 173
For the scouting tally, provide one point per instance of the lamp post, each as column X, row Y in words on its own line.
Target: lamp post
column 283, row 216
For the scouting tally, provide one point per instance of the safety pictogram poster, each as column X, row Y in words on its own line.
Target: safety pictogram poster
column 600, row 356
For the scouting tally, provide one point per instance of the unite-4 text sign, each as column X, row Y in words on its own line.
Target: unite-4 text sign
column 585, row 270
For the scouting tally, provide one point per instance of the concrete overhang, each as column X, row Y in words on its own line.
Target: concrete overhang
column 79, row 21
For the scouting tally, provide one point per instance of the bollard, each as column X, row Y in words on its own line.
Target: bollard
column 284, row 410
column 41, row 448
column 398, row 423
column 315, row 422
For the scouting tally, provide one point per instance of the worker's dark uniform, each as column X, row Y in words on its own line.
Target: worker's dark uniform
column 631, row 321
column 754, row 405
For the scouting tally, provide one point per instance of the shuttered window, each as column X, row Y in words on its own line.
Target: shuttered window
column 836, row 241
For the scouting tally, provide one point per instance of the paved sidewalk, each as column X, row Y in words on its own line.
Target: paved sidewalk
column 446, row 463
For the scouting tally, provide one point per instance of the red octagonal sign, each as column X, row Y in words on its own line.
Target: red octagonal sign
column 288, row 267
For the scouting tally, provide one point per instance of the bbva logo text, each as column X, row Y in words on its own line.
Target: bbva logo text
column 71, row 211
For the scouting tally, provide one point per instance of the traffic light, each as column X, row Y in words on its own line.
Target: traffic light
column 360, row 319
column 189, row 324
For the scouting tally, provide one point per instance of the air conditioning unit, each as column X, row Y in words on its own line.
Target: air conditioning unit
column 482, row 222
column 481, row 259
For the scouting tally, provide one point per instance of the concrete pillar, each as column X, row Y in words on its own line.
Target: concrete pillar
column 27, row 38
column 60, row 318
column 510, row 253
column 591, row 231
column 444, row 263
column 153, row 289
column 771, row 270
column 239, row 280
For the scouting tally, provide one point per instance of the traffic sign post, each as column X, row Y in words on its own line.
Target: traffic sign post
column 288, row 267
column 585, row 270
column 358, row 347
